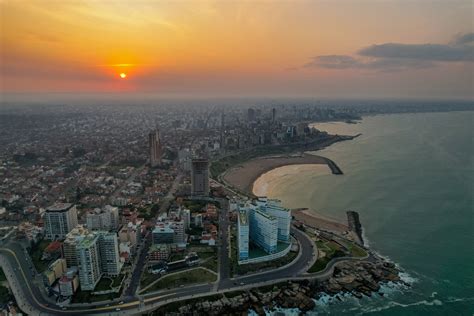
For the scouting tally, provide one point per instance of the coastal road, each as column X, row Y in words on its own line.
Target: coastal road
column 295, row 268
column 32, row 301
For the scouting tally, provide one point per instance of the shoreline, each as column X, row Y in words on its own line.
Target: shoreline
column 243, row 176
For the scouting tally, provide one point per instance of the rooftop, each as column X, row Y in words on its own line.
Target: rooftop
column 59, row 207
column 243, row 219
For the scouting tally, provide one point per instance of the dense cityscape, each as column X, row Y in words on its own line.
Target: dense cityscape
column 101, row 209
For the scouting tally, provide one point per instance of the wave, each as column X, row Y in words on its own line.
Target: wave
column 393, row 304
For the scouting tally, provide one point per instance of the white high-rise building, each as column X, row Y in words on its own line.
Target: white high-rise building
column 103, row 219
column 59, row 219
column 70, row 243
column 263, row 230
column 88, row 259
column 274, row 208
column 97, row 254
column 243, row 234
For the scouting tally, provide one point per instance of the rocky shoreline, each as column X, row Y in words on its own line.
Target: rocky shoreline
column 360, row 278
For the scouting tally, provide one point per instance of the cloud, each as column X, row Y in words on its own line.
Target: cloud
column 427, row 52
column 396, row 56
column 465, row 39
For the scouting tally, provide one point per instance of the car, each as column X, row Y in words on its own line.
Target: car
column 63, row 308
column 121, row 302
column 117, row 309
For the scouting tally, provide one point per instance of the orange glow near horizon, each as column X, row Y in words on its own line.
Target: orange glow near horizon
column 228, row 47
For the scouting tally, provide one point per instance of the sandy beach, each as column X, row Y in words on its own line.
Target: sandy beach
column 243, row 176
column 316, row 220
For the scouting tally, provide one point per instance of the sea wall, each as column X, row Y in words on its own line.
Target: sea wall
column 355, row 226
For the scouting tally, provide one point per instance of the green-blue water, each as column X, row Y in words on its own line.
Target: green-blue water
column 410, row 177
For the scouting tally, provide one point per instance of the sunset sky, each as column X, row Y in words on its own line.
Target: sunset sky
column 337, row 48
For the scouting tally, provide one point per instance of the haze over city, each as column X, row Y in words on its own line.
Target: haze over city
column 244, row 157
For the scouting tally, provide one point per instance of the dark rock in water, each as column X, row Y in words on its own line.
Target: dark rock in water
column 355, row 225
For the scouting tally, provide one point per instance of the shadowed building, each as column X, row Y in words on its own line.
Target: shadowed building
column 156, row 148
column 200, row 177
column 59, row 219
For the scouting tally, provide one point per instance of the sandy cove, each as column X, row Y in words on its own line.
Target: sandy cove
column 243, row 176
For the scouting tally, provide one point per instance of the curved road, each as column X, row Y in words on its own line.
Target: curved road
column 34, row 302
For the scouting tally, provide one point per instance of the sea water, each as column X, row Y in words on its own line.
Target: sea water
column 410, row 177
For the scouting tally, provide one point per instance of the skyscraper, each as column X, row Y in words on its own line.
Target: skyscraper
column 109, row 253
column 156, row 148
column 200, row 177
column 88, row 259
column 274, row 208
column 59, row 219
column 263, row 230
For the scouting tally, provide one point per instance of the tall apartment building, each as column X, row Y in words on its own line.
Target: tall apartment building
column 156, row 148
column 179, row 236
column 243, row 234
column 163, row 235
column 109, row 253
column 106, row 218
column 70, row 243
column 59, row 219
column 274, row 208
column 200, row 177
column 88, row 259
column 94, row 254
column 263, row 230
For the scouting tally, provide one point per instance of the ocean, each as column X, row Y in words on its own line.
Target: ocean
column 410, row 177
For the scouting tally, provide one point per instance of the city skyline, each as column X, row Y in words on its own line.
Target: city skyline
column 269, row 48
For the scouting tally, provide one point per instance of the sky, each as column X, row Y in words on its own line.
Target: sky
column 329, row 48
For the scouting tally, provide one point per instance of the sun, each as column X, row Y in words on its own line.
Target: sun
column 123, row 75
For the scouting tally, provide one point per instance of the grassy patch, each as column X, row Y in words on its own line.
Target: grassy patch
column 118, row 280
column 103, row 285
column 331, row 250
column 36, row 254
column 5, row 295
column 357, row 251
column 319, row 265
column 87, row 297
column 183, row 278
column 147, row 278
column 2, row 275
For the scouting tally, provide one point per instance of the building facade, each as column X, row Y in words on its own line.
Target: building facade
column 109, row 254
column 156, row 148
column 274, row 208
column 106, row 218
column 163, row 235
column 88, row 258
column 243, row 234
column 200, row 177
column 59, row 219
column 263, row 230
